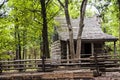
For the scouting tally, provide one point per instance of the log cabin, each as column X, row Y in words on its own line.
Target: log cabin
column 93, row 38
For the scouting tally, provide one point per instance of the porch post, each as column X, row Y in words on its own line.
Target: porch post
column 92, row 48
column 67, row 53
column 114, row 47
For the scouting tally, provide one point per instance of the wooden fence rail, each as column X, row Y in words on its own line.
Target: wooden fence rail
column 98, row 63
column 22, row 65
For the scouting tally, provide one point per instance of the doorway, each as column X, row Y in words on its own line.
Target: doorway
column 87, row 50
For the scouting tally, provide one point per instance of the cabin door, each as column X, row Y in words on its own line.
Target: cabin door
column 87, row 50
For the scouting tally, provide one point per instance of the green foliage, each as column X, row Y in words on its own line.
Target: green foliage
column 109, row 14
column 26, row 14
column 111, row 23
column 74, row 8
column 6, row 38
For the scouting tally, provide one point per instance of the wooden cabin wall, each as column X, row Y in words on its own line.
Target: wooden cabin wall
column 56, row 52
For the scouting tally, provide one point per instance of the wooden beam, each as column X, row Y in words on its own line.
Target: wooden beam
column 58, row 75
column 92, row 49
column 67, row 52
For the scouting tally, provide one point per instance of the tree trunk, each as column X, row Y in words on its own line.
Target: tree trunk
column 18, row 47
column 24, row 44
column 119, row 22
column 71, row 40
column 44, row 31
column 81, row 25
column 35, row 53
column 17, row 42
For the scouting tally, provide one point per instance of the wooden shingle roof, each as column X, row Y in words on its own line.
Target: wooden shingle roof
column 91, row 30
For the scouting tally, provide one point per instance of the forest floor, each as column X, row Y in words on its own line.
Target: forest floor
column 104, row 76
column 109, row 76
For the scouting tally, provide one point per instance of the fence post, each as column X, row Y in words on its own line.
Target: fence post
column 96, row 73
column 20, row 65
column 0, row 67
column 43, row 63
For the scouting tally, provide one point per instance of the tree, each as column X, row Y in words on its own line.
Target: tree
column 71, row 40
column 119, row 22
column 118, row 3
column 17, row 41
column 21, row 20
column 30, row 21
column 5, row 38
column 81, row 25
column 45, row 29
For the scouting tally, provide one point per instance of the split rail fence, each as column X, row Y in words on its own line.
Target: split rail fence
column 103, row 63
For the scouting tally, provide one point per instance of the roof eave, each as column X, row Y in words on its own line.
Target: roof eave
column 101, row 40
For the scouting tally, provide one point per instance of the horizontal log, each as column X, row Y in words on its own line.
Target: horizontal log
column 112, row 70
column 104, row 56
column 111, row 61
column 55, row 45
column 21, row 68
column 27, row 60
column 81, row 59
column 23, row 64
column 57, row 75
column 12, row 65
column 35, row 67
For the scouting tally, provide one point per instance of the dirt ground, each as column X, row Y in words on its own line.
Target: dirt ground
column 109, row 76
column 104, row 76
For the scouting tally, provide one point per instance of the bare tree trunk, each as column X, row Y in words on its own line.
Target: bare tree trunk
column 44, row 31
column 24, row 44
column 119, row 23
column 71, row 40
column 18, row 46
column 35, row 53
column 17, row 42
column 81, row 25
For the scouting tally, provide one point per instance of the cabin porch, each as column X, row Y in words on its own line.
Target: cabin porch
column 88, row 48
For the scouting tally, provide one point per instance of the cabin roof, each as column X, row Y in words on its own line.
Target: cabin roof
column 91, row 31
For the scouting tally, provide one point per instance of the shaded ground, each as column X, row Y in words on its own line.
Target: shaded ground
column 38, row 75
column 109, row 76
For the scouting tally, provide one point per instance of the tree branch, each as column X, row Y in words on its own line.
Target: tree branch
column 81, row 25
column 53, row 16
column 82, row 10
column 61, row 3
column 48, row 1
column 33, row 10
column 2, row 14
column 66, row 4
column 2, row 4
